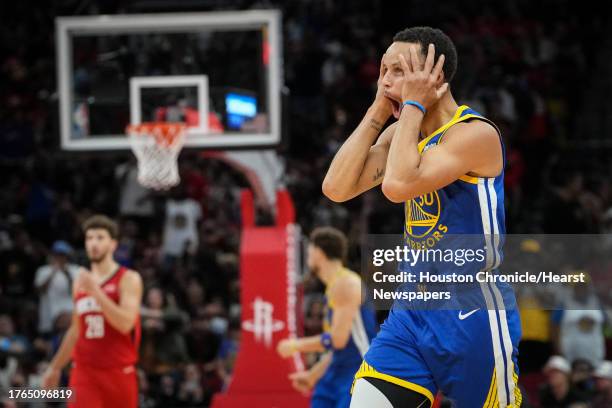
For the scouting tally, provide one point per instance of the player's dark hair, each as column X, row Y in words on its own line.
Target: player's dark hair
column 100, row 221
column 428, row 35
column 331, row 241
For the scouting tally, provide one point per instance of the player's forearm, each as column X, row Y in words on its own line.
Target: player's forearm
column 348, row 163
column 317, row 370
column 308, row 344
column 64, row 353
column 119, row 317
column 404, row 157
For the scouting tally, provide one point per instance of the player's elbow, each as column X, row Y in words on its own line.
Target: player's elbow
column 399, row 190
column 331, row 191
column 395, row 190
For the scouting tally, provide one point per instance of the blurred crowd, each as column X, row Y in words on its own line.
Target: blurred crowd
column 529, row 67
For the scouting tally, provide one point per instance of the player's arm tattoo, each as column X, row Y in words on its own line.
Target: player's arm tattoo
column 379, row 174
column 376, row 125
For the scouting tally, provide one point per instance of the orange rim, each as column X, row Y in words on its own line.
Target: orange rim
column 164, row 132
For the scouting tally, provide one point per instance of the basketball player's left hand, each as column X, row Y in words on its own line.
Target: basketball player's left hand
column 422, row 82
column 85, row 281
column 302, row 381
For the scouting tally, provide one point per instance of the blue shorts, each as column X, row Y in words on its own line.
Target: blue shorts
column 333, row 390
column 470, row 355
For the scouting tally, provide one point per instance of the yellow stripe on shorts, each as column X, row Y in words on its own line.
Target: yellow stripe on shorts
column 492, row 400
column 367, row 370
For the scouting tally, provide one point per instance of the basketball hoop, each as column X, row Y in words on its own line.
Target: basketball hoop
column 157, row 146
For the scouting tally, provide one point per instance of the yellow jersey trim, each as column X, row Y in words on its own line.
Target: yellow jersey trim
column 471, row 116
column 469, row 179
column 443, row 128
column 367, row 370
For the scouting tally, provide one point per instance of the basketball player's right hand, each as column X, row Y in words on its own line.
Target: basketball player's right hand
column 286, row 348
column 381, row 101
column 85, row 281
column 423, row 83
column 51, row 378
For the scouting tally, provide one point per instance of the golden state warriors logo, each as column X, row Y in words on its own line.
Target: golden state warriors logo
column 422, row 214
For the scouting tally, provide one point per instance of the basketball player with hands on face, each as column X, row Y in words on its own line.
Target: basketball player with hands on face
column 445, row 162
column 104, row 336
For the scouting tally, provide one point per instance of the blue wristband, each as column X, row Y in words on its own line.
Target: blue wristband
column 417, row 105
column 326, row 341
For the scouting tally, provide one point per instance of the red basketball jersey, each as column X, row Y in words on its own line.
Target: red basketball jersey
column 99, row 344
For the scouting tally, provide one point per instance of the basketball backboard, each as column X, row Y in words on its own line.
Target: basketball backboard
column 220, row 72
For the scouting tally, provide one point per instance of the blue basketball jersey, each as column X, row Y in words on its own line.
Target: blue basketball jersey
column 467, row 206
column 333, row 389
column 467, row 346
column 466, row 215
column 362, row 331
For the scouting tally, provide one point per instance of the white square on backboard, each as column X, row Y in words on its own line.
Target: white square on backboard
column 199, row 81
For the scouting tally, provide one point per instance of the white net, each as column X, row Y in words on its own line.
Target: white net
column 157, row 146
